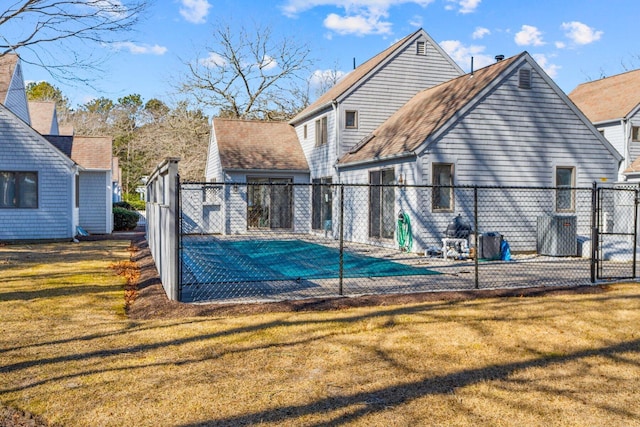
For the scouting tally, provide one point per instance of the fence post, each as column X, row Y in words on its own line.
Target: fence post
column 172, row 226
column 341, row 271
column 178, row 240
column 635, row 232
column 594, row 230
column 475, row 229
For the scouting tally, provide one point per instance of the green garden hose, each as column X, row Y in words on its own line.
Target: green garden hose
column 405, row 239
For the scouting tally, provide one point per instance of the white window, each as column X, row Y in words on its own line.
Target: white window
column 19, row 190
column 304, row 129
column 635, row 133
column 565, row 182
column 442, row 187
column 351, row 120
column 421, row 48
column 321, row 131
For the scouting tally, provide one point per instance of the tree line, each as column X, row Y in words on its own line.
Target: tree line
column 143, row 132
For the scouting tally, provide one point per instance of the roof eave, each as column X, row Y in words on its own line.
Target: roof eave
column 405, row 154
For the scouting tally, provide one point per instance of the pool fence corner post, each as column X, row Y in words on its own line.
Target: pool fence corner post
column 178, row 242
column 341, row 267
column 173, row 228
column 635, row 232
column 475, row 237
column 594, row 230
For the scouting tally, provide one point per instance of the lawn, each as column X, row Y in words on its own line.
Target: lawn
column 70, row 354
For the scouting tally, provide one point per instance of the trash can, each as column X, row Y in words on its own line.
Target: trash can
column 489, row 246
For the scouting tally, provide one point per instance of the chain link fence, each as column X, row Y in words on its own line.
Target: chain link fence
column 275, row 240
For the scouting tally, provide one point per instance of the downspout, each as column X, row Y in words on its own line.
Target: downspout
column 627, row 146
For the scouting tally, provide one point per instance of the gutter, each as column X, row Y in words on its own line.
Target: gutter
column 406, row 154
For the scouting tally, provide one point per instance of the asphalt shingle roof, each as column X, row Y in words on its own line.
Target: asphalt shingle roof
column 609, row 98
column 424, row 114
column 250, row 144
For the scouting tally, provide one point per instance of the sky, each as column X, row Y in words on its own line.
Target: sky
column 573, row 40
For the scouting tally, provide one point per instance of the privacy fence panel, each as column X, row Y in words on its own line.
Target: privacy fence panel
column 272, row 239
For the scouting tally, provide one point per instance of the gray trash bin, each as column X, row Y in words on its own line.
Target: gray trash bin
column 490, row 246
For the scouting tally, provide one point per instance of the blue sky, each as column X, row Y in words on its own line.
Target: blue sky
column 573, row 40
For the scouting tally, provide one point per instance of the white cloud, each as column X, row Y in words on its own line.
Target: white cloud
column 560, row 45
column 213, row 60
column 195, row 11
column 140, row 49
column 529, row 36
column 543, row 61
column 463, row 6
column 462, row 54
column 268, row 63
column 360, row 17
column 480, row 32
column 321, row 77
column 416, row 21
column 357, row 24
column 580, row 33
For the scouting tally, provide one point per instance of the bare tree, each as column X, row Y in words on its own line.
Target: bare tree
column 41, row 32
column 250, row 74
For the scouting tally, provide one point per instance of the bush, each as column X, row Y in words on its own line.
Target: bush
column 135, row 202
column 124, row 205
column 124, row 219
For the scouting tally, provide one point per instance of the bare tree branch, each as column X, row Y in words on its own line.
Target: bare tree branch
column 249, row 74
column 42, row 32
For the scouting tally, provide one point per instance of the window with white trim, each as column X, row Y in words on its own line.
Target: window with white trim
column 565, row 182
column 321, row 131
column 635, row 133
column 19, row 190
column 442, row 181
column 351, row 119
column 421, row 48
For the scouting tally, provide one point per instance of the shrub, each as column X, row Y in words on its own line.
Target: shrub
column 124, row 205
column 134, row 200
column 124, row 219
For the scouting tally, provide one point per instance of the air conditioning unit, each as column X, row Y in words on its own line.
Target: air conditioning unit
column 557, row 235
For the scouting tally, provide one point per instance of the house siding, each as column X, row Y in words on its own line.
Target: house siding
column 214, row 167
column 16, row 99
column 22, row 149
column 634, row 146
column 389, row 88
column 516, row 137
column 94, row 207
column 321, row 159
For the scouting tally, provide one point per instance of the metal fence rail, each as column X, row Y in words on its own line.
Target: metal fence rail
column 269, row 241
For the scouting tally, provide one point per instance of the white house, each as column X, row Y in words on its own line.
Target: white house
column 37, row 184
column 507, row 124
column 613, row 106
column 95, row 183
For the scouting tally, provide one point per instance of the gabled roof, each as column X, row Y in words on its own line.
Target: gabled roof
column 610, row 98
column 360, row 73
column 424, row 114
column 8, row 65
column 250, row 144
column 43, row 115
column 90, row 152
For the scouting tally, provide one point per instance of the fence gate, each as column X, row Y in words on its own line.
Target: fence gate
column 615, row 234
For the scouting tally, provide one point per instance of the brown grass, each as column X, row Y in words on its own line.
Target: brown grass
column 70, row 355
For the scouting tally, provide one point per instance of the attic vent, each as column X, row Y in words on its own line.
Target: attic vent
column 524, row 78
column 421, row 48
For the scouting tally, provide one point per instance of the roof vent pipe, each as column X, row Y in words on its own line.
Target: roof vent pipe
column 354, row 62
column 472, row 65
column 499, row 58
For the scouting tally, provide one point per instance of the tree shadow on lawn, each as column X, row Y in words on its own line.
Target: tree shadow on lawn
column 393, row 396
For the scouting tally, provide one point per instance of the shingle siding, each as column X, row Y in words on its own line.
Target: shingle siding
column 94, row 206
column 390, row 88
column 21, row 149
column 16, row 100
